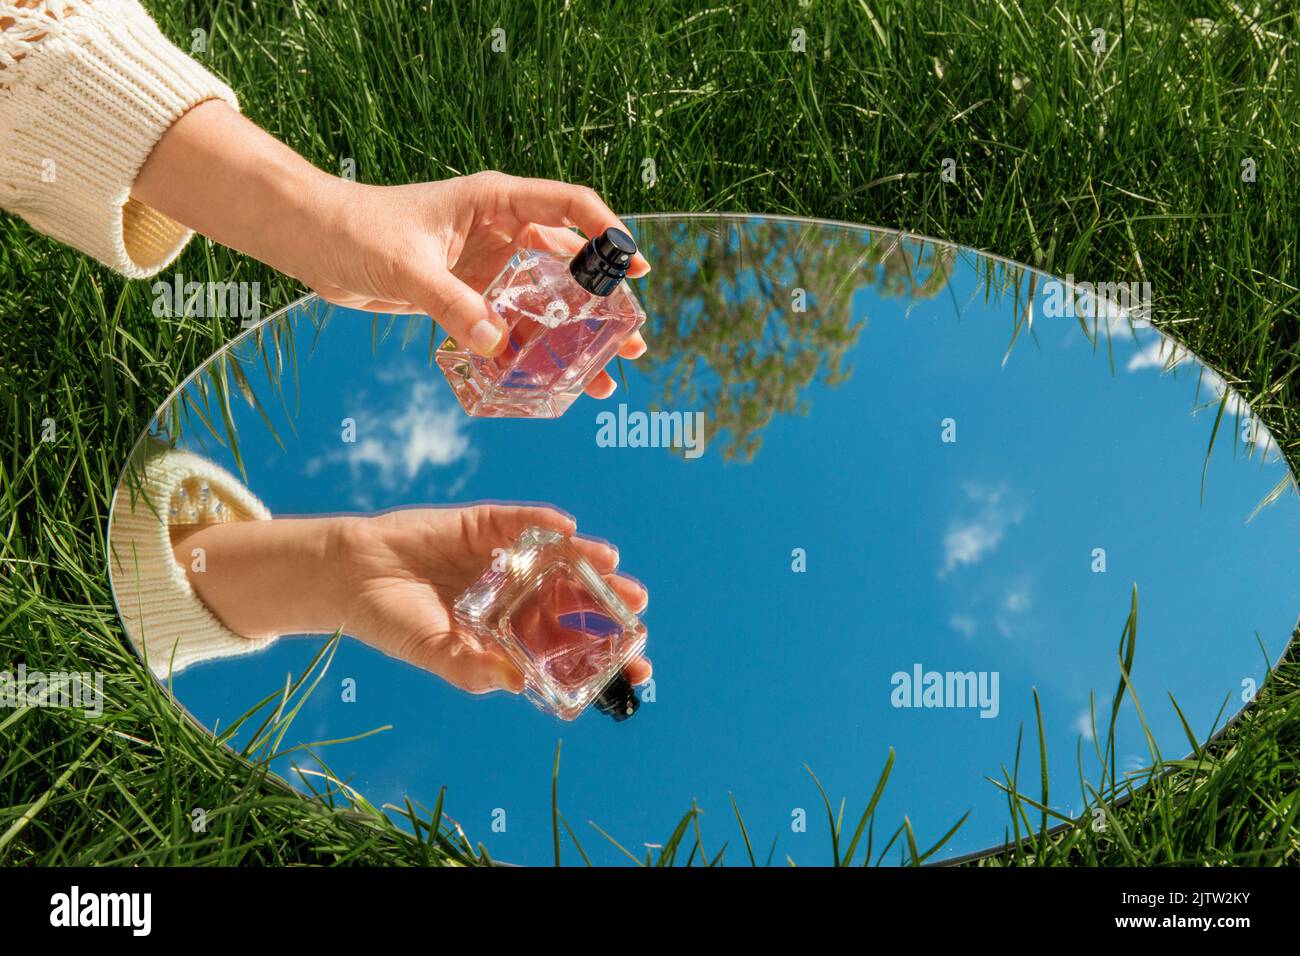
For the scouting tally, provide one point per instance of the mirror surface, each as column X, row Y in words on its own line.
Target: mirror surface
column 918, row 459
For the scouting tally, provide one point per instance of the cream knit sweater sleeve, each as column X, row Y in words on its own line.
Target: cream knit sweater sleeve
column 87, row 87
column 166, row 621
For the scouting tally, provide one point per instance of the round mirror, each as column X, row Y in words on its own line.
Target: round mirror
column 907, row 515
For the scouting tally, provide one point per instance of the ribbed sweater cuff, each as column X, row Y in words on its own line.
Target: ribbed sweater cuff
column 80, row 112
column 166, row 621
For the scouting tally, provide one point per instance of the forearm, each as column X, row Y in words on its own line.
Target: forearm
column 266, row 578
column 223, row 176
column 86, row 92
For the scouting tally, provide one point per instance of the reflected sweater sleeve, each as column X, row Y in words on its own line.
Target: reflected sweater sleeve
column 168, row 624
column 87, row 87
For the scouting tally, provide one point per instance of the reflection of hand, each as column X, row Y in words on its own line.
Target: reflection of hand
column 425, row 248
column 389, row 580
column 405, row 569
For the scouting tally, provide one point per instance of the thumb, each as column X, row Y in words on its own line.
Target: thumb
column 474, row 670
column 463, row 314
column 503, row 674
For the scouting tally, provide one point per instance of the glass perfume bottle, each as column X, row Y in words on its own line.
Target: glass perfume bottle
column 565, row 319
column 565, row 629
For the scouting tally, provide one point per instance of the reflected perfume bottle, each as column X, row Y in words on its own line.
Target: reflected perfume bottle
column 565, row 319
column 565, row 629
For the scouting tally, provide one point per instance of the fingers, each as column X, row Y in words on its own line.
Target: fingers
column 630, row 591
column 461, row 311
column 633, row 348
column 602, row 386
column 555, row 239
column 497, row 524
column 551, row 203
column 507, row 521
column 638, row 671
column 602, row 555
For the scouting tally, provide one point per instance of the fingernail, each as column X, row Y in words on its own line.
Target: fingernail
column 484, row 337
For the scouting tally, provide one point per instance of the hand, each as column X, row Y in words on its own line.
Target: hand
column 434, row 247
column 389, row 580
column 423, row 248
column 403, row 570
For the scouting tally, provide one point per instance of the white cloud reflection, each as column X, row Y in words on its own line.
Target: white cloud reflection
column 1160, row 353
column 972, row 538
column 415, row 428
column 1166, row 355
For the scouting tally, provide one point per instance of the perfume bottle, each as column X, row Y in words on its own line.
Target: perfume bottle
column 565, row 319
column 565, row 629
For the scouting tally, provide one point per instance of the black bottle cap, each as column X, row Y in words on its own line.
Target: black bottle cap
column 618, row 699
column 601, row 264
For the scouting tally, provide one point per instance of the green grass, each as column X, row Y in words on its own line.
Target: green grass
column 1125, row 165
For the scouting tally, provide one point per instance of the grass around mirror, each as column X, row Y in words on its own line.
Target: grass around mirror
column 1124, row 164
